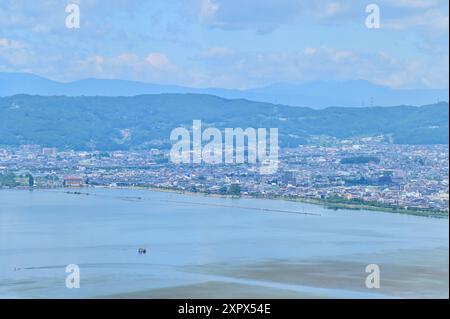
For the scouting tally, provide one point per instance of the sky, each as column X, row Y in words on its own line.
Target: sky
column 234, row 44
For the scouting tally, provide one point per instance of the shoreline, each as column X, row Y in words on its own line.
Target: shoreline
column 324, row 203
column 328, row 204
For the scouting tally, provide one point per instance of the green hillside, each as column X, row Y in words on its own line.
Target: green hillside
column 112, row 123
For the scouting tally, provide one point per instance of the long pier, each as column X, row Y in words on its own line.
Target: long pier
column 136, row 198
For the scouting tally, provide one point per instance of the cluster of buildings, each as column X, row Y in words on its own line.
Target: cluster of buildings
column 368, row 171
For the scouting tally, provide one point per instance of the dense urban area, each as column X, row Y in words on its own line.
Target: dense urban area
column 355, row 173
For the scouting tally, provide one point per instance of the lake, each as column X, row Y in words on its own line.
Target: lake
column 206, row 247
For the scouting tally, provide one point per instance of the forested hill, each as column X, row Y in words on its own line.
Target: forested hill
column 113, row 123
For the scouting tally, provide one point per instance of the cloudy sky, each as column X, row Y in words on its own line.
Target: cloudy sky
column 229, row 43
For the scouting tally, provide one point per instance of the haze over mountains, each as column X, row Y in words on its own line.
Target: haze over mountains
column 317, row 95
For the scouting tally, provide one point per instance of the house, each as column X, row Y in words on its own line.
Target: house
column 72, row 181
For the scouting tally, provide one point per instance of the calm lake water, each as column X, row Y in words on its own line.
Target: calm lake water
column 43, row 231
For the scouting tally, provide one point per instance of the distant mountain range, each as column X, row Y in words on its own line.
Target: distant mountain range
column 313, row 94
column 145, row 121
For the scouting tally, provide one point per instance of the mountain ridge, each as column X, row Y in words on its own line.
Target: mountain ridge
column 316, row 94
column 83, row 123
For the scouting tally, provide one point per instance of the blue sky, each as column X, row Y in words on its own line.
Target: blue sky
column 229, row 43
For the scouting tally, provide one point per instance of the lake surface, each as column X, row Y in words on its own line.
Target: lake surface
column 215, row 247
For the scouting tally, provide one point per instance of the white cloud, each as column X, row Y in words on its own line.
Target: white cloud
column 8, row 44
column 208, row 9
column 257, row 69
column 266, row 16
column 40, row 28
column 310, row 51
column 330, row 9
column 14, row 54
column 319, row 63
column 153, row 67
column 158, row 60
column 427, row 21
column 218, row 53
column 412, row 3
